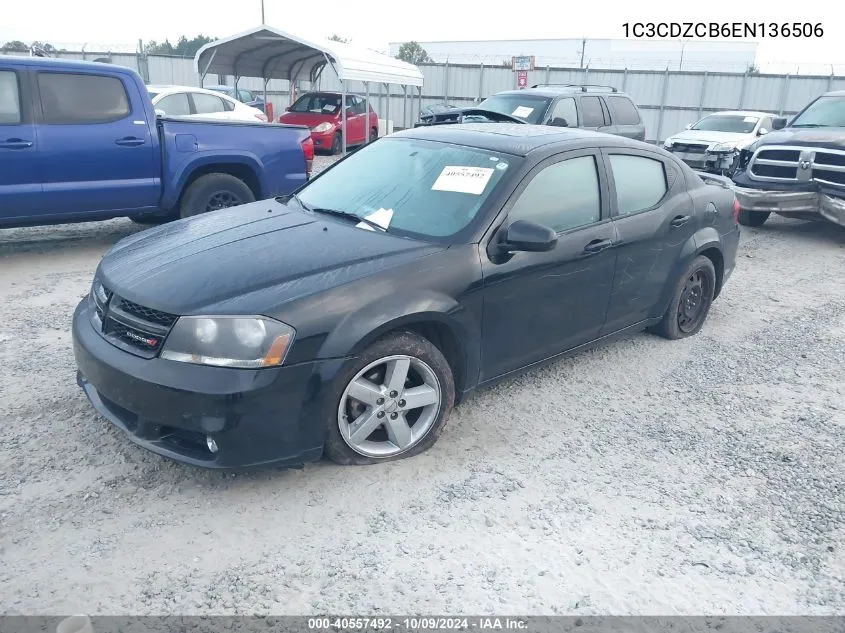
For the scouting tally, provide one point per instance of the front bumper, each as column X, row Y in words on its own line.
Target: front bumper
column 792, row 203
column 323, row 140
column 712, row 162
column 258, row 418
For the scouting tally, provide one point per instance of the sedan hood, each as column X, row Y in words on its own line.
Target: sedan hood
column 272, row 252
column 709, row 136
column 831, row 137
column 307, row 118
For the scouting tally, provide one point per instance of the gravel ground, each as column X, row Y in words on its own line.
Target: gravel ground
column 642, row 477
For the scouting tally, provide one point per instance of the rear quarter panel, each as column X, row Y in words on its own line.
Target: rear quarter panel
column 272, row 152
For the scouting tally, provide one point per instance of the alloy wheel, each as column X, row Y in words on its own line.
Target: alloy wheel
column 222, row 200
column 389, row 406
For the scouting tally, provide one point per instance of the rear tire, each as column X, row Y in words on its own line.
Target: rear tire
column 212, row 192
column 753, row 218
column 691, row 301
column 398, row 428
column 373, row 134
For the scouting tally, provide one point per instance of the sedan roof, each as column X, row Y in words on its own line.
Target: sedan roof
column 513, row 138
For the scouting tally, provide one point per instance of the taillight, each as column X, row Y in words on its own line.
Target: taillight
column 736, row 211
column 308, row 150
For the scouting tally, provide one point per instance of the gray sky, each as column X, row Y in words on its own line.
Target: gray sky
column 375, row 23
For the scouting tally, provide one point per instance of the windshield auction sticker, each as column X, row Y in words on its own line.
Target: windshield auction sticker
column 522, row 111
column 463, row 179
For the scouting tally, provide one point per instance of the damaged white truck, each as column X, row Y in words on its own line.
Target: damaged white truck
column 798, row 170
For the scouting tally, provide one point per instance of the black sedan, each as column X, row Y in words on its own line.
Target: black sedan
column 348, row 319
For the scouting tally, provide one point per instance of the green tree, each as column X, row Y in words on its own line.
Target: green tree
column 183, row 47
column 16, row 46
column 413, row 53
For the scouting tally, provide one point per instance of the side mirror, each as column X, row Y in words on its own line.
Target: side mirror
column 688, row 126
column 160, row 112
column 778, row 123
column 287, row 109
column 762, row 131
column 559, row 122
column 526, row 236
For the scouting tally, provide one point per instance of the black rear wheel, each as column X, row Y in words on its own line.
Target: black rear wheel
column 691, row 301
column 753, row 218
column 337, row 144
column 213, row 192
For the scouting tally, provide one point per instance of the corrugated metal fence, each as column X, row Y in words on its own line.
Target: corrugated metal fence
column 668, row 99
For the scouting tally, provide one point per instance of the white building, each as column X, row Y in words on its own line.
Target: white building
column 634, row 54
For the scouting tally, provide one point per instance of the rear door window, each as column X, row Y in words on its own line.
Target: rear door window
column 207, row 104
column 640, row 183
column 591, row 112
column 78, row 98
column 10, row 98
column 623, row 110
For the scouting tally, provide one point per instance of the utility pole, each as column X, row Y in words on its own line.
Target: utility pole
column 583, row 48
column 262, row 11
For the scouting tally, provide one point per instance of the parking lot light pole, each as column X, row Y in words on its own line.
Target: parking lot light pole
column 367, row 115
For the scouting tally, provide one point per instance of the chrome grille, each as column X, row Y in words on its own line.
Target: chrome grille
column 689, row 148
column 798, row 164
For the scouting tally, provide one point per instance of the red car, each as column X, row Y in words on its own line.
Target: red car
column 321, row 112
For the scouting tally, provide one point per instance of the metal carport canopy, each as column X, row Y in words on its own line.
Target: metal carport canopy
column 269, row 53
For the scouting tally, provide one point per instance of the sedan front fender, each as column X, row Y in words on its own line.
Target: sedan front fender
column 415, row 310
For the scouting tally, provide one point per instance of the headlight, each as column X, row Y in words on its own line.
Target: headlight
column 723, row 147
column 229, row 341
column 323, row 127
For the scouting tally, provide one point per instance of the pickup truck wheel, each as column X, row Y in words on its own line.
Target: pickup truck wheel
column 212, row 192
column 390, row 402
column 753, row 218
column 691, row 301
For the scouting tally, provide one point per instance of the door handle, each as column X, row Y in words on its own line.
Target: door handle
column 130, row 141
column 15, row 143
column 679, row 220
column 596, row 246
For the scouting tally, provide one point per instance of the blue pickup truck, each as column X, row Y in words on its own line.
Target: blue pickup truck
column 81, row 141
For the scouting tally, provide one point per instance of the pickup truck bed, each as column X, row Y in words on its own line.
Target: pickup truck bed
column 80, row 141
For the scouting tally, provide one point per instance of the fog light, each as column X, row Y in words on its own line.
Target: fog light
column 212, row 445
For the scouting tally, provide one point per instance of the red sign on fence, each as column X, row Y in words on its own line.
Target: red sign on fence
column 522, row 79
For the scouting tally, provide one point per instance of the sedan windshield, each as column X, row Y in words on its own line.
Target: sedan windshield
column 528, row 108
column 823, row 112
column 419, row 189
column 317, row 104
column 727, row 123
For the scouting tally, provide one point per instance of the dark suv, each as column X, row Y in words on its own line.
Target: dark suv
column 599, row 108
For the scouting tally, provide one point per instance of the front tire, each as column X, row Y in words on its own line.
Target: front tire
column 337, row 144
column 391, row 402
column 212, row 192
column 753, row 218
column 691, row 301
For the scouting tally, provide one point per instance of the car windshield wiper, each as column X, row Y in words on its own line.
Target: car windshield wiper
column 811, row 125
column 347, row 215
